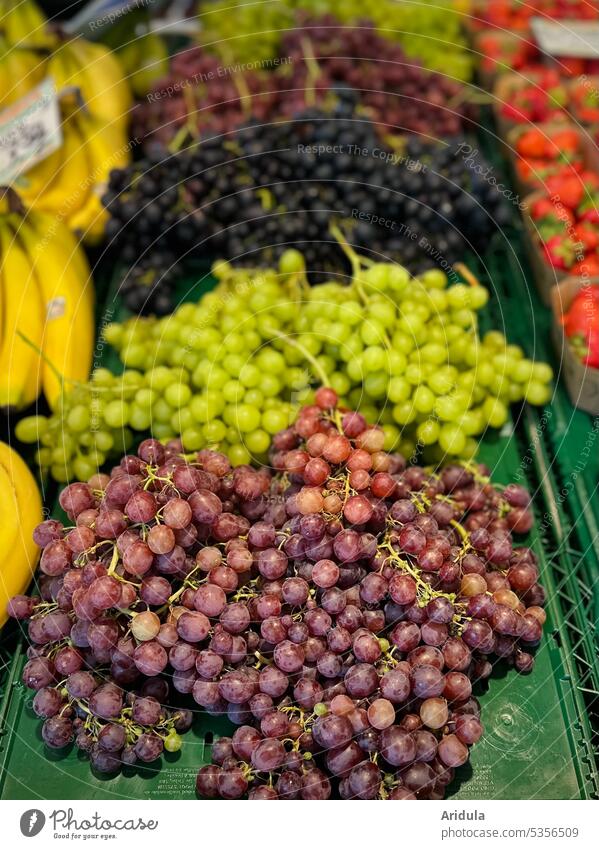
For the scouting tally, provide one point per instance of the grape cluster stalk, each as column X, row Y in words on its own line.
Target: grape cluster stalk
column 337, row 607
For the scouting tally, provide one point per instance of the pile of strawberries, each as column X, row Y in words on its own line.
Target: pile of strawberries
column 566, row 218
column 584, row 100
column 543, row 98
column 547, row 151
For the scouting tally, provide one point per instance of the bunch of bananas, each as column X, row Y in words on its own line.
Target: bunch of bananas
column 47, row 308
column 70, row 182
column 21, row 511
column 95, row 101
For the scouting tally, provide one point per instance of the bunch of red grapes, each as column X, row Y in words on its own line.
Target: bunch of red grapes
column 337, row 608
column 396, row 93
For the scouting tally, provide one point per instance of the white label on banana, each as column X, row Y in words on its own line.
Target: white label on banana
column 56, row 308
column 30, row 130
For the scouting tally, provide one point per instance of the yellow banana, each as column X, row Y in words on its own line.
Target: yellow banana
column 20, row 71
column 22, row 501
column 33, row 183
column 72, row 184
column 23, row 22
column 68, row 335
column 47, row 226
column 20, row 368
column 101, row 79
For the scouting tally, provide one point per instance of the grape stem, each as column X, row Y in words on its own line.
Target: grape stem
column 320, row 372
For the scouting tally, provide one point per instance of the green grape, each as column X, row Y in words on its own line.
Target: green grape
column 270, row 386
column 182, row 420
column 542, row 372
column 537, row 393
column 424, row 399
column 116, row 413
column 398, row 389
column 162, row 430
column 404, row 413
column 271, row 361
column 448, row 408
column 140, row 418
column 159, row 378
column 373, row 359
column 452, row 439
column 257, row 442
column 214, row 431
column 375, row 384
column 61, row 473
column 254, row 398
column 239, row 455
column 372, row 333
column 31, row 428
column 495, row 412
column 427, row 432
column 192, row 439
column 292, row 261
column 161, row 411
column 234, row 363
column 233, row 391
column 247, row 418
column 392, row 437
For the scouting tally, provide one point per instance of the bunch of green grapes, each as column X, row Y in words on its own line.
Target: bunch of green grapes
column 231, row 371
column 430, row 32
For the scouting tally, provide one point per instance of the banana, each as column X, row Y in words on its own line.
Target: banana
column 70, row 188
column 68, row 336
column 65, row 241
column 21, row 70
column 20, row 366
column 23, row 22
column 21, row 500
column 101, row 79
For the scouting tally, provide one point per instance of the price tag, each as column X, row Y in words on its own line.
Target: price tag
column 579, row 39
column 30, row 130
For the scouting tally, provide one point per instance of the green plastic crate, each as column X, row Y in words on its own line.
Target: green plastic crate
column 541, row 730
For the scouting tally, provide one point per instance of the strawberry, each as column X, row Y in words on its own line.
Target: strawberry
column 564, row 142
column 549, row 216
column 589, row 211
column 569, row 190
column 581, row 325
column 587, row 267
column 560, row 252
column 532, row 144
column 586, row 236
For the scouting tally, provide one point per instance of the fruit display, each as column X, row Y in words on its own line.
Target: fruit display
column 581, row 325
column 565, row 220
column 230, row 371
column 48, row 331
column 267, row 187
column 431, row 33
column 337, row 610
column 396, row 95
column 21, row 507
